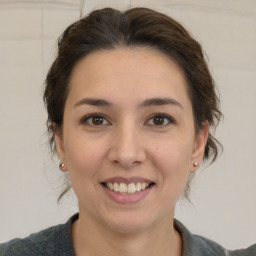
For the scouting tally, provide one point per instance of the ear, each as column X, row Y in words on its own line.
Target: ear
column 58, row 138
column 199, row 147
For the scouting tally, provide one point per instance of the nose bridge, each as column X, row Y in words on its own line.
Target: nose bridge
column 127, row 147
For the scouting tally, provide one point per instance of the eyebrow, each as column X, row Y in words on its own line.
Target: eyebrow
column 93, row 102
column 146, row 103
column 159, row 102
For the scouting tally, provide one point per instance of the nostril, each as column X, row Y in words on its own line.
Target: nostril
column 127, row 156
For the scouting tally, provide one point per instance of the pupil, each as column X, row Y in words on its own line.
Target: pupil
column 158, row 120
column 97, row 120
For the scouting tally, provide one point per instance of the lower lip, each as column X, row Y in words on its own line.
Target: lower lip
column 127, row 198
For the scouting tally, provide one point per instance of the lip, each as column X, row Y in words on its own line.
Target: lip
column 127, row 198
column 127, row 180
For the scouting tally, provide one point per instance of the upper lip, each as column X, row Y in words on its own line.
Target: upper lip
column 127, row 180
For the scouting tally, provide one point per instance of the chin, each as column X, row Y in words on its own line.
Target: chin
column 128, row 223
column 128, row 227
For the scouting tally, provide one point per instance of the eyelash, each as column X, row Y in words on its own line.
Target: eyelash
column 169, row 119
column 85, row 119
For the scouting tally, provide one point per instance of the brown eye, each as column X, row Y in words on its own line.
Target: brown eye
column 95, row 120
column 160, row 120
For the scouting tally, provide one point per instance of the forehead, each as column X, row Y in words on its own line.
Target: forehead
column 125, row 71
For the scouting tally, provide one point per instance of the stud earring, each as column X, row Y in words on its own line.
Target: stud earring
column 195, row 164
column 61, row 165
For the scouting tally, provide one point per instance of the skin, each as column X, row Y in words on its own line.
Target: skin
column 128, row 141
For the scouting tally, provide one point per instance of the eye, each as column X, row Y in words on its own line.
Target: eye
column 160, row 120
column 95, row 120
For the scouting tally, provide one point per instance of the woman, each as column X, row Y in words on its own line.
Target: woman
column 130, row 104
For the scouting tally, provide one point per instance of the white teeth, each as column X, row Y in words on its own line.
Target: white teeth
column 138, row 186
column 123, row 188
column 116, row 187
column 131, row 188
column 111, row 187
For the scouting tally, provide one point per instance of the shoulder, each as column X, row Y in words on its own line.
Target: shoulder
column 213, row 248
column 35, row 244
column 50, row 241
column 250, row 251
column 195, row 245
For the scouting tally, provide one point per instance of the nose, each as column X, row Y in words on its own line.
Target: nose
column 127, row 147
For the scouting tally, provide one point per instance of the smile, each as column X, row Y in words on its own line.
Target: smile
column 127, row 190
column 124, row 188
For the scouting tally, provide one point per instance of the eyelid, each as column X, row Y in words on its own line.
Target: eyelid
column 84, row 119
column 170, row 119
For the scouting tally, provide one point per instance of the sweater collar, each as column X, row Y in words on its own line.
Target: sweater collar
column 192, row 245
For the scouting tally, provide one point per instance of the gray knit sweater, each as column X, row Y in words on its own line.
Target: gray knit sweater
column 57, row 241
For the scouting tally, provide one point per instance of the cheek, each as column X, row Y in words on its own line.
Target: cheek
column 173, row 162
column 83, row 157
column 173, row 155
column 84, row 160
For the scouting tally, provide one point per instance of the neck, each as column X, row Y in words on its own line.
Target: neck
column 91, row 238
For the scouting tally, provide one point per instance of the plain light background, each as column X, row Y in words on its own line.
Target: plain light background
column 223, row 195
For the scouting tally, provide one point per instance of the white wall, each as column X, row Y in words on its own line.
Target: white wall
column 223, row 195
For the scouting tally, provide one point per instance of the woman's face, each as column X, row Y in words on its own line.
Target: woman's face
column 128, row 139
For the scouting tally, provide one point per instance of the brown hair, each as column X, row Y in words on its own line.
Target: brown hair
column 108, row 29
